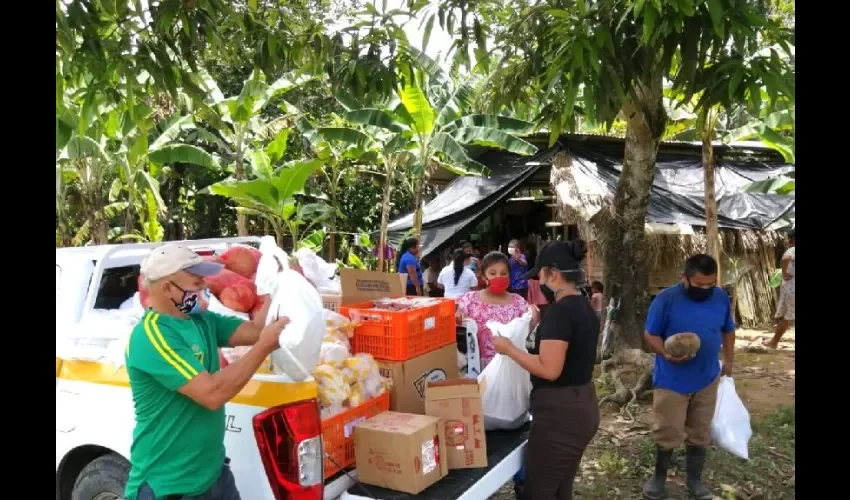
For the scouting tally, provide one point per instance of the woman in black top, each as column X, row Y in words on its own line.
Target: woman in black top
column 560, row 358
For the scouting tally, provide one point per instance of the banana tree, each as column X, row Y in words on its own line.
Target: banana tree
column 272, row 196
column 238, row 121
column 435, row 126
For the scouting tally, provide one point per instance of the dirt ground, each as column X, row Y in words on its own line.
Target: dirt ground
column 621, row 455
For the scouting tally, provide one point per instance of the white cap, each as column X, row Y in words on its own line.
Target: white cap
column 172, row 258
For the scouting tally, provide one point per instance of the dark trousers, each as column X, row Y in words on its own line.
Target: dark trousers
column 564, row 420
column 223, row 489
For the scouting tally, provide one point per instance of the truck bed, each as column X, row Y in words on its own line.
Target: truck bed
column 505, row 450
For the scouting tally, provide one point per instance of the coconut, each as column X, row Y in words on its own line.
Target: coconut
column 682, row 344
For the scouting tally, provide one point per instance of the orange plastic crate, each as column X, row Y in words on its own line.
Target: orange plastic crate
column 402, row 335
column 338, row 433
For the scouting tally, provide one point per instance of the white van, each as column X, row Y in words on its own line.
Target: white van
column 272, row 458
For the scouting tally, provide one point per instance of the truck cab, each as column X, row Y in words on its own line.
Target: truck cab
column 271, row 457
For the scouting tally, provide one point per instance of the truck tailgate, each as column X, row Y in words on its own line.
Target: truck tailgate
column 505, row 450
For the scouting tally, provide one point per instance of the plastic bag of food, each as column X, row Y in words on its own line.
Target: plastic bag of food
column 242, row 260
column 355, row 369
column 505, row 401
column 291, row 296
column 359, row 395
column 239, row 297
column 225, row 279
column 322, row 274
column 333, row 351
column 730, row 428
column 334, row 391
column 215, row 305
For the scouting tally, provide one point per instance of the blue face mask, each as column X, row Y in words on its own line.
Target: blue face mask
column 190, row 304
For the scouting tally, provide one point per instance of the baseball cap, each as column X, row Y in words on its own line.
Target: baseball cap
column 172, row 258
column 557, row 254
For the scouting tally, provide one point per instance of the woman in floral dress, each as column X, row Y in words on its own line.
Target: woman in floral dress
column 493, row 303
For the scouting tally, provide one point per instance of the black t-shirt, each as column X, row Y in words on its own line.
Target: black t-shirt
column 571, row 320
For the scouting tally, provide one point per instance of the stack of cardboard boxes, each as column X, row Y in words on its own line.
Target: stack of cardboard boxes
column 436, row 422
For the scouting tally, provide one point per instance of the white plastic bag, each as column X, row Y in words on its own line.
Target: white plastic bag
column 505, row 400
column 730, row 428
column 292, row 296
column 321, row 273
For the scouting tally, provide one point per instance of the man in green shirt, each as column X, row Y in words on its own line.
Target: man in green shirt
column 178, row 387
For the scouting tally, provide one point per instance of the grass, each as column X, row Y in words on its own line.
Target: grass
column 615, row 468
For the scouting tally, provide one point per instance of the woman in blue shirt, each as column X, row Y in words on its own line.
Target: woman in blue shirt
column 408, row 262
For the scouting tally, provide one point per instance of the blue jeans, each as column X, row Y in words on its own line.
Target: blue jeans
column 223, row 489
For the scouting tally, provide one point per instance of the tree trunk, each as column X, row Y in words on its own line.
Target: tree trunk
column 174, row 223
column 625, row 254
column 239, row 173
column 418, row 188
column 385, row 218
column 129, row 215
column 712, row 237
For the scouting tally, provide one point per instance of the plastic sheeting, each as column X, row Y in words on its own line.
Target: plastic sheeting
column 676, row 195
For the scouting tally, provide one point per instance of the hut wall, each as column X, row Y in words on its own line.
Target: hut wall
column 749, row 259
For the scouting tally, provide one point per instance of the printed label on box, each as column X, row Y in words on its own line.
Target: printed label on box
column 430, row 456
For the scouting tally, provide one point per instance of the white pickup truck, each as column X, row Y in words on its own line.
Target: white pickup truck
column 271, row 458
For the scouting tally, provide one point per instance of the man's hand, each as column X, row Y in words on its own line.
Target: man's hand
column 263, row 313
column 727, row 369
column 502, row 345
column 270, row 335
column 677, row 360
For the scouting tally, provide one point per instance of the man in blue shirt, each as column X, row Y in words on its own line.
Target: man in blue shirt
column 686, row 388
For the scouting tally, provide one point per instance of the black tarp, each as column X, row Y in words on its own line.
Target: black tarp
column 467, row 198
column 676, row 195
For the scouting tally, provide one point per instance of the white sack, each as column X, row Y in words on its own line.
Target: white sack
column 506, row 398
column 101, row 335
column 730, row 428
column 294, row 297
column 321, row 273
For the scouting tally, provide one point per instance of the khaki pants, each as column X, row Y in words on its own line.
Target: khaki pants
column 683, row 418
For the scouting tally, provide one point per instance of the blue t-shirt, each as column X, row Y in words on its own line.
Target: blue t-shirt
column 518, row 281
column 408, row 259
column 673, row 312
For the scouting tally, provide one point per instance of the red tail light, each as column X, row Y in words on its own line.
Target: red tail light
column 290, row 441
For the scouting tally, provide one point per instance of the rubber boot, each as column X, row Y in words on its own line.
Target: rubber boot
column 694, row 463
column 654, row 488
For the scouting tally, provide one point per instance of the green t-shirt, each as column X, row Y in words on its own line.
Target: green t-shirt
column 178, row 445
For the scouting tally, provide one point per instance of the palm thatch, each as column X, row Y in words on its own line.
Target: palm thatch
column 748, row 257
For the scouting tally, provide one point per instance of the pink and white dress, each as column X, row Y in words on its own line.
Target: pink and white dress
column 473, row 308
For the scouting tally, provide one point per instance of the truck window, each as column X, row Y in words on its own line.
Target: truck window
column 117, row 285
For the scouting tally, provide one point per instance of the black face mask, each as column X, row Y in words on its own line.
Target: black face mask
column 698, row 294
column 548, row 293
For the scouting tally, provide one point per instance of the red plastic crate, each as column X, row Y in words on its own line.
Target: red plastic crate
column 402, row 335
column 338, row 433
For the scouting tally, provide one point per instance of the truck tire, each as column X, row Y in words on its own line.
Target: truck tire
column 103, row 478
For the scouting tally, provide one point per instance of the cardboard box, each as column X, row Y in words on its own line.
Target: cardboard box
column 360, row 286
column 400, row 451
column 412, row 376
column 458, row 404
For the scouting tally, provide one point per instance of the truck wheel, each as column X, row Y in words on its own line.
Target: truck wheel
column 102, row 479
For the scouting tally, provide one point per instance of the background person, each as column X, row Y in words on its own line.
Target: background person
column 408, row 262
column 560, row 358
column 456, row 279
column 519, row 267
column 785, row 307
column 178, row 387
column 686, row 388
column 493, row 303
column 597, row 294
